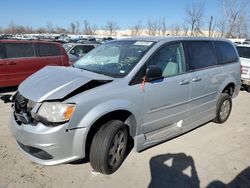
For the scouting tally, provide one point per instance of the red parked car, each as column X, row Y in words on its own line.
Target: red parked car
column 19, row 59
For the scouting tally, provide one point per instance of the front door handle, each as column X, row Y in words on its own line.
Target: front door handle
column 196, row 79
column 11, row 63
column 184, row 82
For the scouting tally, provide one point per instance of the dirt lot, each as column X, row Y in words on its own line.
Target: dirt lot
column 209, row 156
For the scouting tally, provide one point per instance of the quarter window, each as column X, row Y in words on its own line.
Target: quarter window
column 48, row 50
column 226, row 52
column 16, row 50
column 170, row 59
column 201, row 54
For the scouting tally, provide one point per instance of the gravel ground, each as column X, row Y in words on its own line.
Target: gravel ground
column 210, row 156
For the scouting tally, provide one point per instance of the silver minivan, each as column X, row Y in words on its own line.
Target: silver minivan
column 132, row 92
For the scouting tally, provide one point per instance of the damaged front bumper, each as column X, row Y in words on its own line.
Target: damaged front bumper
column 49, row 145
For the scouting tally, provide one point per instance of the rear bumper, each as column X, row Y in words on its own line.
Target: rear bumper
column 49, row 145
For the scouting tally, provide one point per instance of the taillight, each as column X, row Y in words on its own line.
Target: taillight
column 241, row 71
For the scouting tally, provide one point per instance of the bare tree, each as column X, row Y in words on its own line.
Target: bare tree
column 156, row 27
column 163, row 26
column 211, row 26
column 234, row 13
column 111, row 27
column 242, row 27
column 41, row 30
column 185, row 29
column 14, row 29
column 72, row 28
column 194, row 16
column 175, row 30
column 77, row 27
column 89, row 29
column 29, row 30
column 137, row 29
column 50, row 27
column 151, row 27
column 221, row 27
column 61, row 30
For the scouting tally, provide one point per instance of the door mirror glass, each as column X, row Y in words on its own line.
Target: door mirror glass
column 153, row 72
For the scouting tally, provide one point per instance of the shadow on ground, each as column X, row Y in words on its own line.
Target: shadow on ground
column 173, row 170
column 178, row 171
column 240, row 181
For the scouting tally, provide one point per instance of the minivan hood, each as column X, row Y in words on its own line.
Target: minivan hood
column 55, row 83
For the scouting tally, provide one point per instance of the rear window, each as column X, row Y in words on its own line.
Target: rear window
column 48, row 50
column 244, row 51
column 201, row 54
column 226, row 52
column 16, row 50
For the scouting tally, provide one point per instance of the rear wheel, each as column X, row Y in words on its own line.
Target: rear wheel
column 223, row 109
column 109, row 146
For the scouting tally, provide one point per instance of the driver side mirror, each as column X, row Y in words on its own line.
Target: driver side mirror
column 153, row 72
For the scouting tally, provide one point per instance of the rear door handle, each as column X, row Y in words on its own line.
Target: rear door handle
column 197, row 79
column 11, row 63
column 184, row 82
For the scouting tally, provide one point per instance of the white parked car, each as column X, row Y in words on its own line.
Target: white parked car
column 244, row 53
column 76, row 51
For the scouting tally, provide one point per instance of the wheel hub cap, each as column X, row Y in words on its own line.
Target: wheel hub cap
column 116, row 150
column 225, row 109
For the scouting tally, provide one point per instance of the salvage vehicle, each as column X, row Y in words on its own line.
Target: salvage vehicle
column 244, row 53
column 19, row 59
column 141, row 91
column 77, row 50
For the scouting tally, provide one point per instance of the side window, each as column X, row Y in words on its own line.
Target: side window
column 77, row 51
column 48, row 50
column 170, row 59
column 226, row 52
column 1, row 51
column 201, row 54
column 16, row 50
column 81, row 50
column 86, row 48
column 244, row 51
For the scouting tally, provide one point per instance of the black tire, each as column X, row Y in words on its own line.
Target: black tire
column 104, row 144
column 220, row 116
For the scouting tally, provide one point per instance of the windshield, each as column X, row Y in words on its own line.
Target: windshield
column 67, row 47
column 244, row 52
column 115, row 59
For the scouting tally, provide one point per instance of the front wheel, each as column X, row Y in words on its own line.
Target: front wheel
column 223, row 109
column 109, row 147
